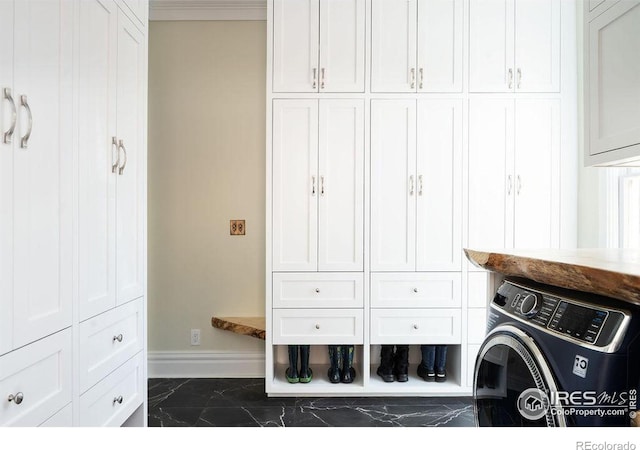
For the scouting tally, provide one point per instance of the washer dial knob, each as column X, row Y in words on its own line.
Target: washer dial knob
column 530, row 305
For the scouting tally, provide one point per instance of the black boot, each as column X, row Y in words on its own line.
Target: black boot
column 385, row 371
column 348, row 372
column 334, row 368
column 305, row 371
column 292, row 371
column 401, row 363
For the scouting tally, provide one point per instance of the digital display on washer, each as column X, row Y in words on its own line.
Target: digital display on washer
column 578, row 321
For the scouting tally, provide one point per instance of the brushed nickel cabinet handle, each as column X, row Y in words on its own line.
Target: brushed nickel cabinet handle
column 510, row 78
column 413, row 78
column 8, row 135
column 317, row 326
column 24, row 142
column 118, row 400
column 317, row 290
column 421, row 78
column 124, row 149
column 315, row 77
column 415, row 290
column 509, row 185
column 313, row 185
column 321, row 185
column 114, row 145
column 322, row 78
column 411, row 185
column 118, row 338
column 518, row 185
column 419, row 184
column 519, row 72
column 17, row 399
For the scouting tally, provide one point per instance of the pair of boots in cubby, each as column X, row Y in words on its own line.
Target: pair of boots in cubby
column 341, row 364
column 394, row 363
column 305, row 374
column 434, row 359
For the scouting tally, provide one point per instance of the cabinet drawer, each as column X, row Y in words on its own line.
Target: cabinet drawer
column 317, row 326
column 114, row 399
column 415, row 326
column 41, row 372
column 108, row 340
column 318, row 290
column 63, row 418
column 416, row 290
column 476, row 325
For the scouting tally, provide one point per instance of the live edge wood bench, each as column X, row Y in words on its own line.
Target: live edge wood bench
column 248, row 326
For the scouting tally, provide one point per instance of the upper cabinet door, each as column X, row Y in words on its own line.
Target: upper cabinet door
column 537, row 46
column 491, row 31
column 96, row 62
column 295, row 45
column 341, row 188
column 342, row 25
column 440, row 34
column 491, row 184
column 43, row 169
column 439, row 185
column 393, row 185
column 140, row 9
column 295, row 185
column 393, row 45
column 131, row 181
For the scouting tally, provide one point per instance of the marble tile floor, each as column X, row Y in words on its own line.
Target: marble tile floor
column 224, row 402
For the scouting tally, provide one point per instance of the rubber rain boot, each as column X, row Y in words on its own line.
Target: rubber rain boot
column 334, row 360
column 401, row 363
column 292, row 371
column 348, row 372
column 385, row 371
column 305, row 371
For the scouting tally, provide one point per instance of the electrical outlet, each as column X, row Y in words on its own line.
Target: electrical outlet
column 195, row 336
column 236, row 227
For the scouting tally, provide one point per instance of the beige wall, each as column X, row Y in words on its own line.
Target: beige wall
column 206, row 166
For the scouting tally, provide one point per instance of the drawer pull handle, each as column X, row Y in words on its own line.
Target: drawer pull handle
column 117, row 400
column 317, row 327
column 317, row 290
column 17, row 399
column 415, row 290
column 415, row 326
column 118, row 338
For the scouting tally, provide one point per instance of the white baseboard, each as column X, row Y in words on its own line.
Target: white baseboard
column 206, row 364
column 208, row 10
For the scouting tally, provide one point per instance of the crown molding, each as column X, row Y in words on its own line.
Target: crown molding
column 207, row 10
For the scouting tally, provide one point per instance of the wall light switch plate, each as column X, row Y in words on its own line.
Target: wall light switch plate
column 237, row 228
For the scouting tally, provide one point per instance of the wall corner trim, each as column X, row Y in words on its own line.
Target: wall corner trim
column 160, row 10
column 206, row 364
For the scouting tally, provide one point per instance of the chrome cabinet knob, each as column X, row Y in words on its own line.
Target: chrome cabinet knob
column 415, row 290
column 118, row 338
column 17, row 399
column 117, row 400
column 317, row 326
column 317, row 290
column 415, row 326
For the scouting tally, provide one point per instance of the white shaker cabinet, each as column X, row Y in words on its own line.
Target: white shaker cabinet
column 36, row 167
column 318, row 192
column 514, row 154
column 416, row 161
column 111, row 142
column 514, row 46
column 318, row 46
column 416, row 46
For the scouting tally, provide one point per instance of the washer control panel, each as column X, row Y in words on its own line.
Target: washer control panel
column 589, row 323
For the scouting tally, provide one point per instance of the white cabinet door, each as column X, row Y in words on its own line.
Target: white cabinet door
column 393, row 45
column 491, row 184
column 439, row 166
column 295, row 185
column 43, row 169
column 6, row 176
column 537, row 46
column 491, row 28
column 341, row 188
column 131, row 182
column 139, row 8
column 440, row 34
column 342, row 26
column 295, row 45
column 614, row 82
column 393, row 185
column 537, row 159
column 96, row 62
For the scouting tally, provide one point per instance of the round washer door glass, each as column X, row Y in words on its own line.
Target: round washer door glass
column 511, row 384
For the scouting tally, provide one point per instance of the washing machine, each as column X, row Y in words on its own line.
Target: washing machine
column 554, row 358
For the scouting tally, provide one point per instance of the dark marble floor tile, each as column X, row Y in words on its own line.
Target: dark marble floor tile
column 270, row 416
column 174, row 417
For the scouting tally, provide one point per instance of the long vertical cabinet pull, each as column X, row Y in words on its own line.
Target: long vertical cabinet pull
column 313, row 185
column 411, row 185
column 518, row 185
column 24, row 142
column 420, row 185
column 510, row 78
column 114, row 145
column 519, row 73
column 413, row 78
column 124, row 149
column 315, row 78
column 509, row 185
column 321, row 185
column 322, row 78
column 14, row 114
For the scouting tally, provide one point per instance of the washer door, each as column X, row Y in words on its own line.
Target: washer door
column 512, row 382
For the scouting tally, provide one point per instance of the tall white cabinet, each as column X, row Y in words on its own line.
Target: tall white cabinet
column 464, row 135
column 73, row 226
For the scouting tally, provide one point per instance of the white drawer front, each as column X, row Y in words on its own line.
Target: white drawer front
column 108, row 340
column 416, row 290
column 415, row 326
column 114, row 399
column 318, row 290
column 63, row 418
column 472, row 353
column 42, row 373
column 476, row 325
column 316, row 326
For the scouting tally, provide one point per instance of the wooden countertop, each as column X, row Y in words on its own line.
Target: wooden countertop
column 248, row 326
column 609, row 272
